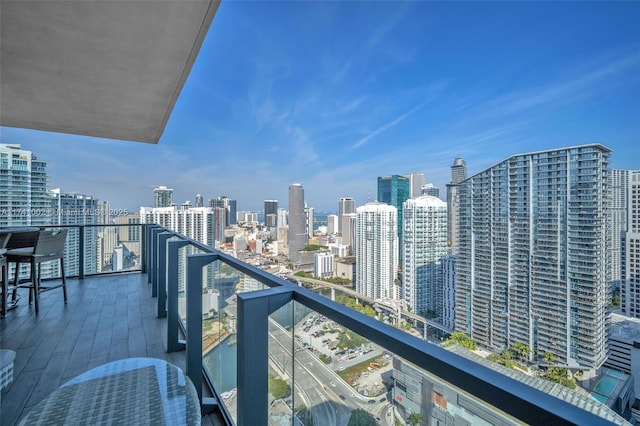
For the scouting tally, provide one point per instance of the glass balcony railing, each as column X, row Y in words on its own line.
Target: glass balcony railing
column 272, row 352
column 262, row 350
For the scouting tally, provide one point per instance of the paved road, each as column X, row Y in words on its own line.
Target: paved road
column 329, row 398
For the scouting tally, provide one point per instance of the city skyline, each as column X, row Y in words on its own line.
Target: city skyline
column 366, row 90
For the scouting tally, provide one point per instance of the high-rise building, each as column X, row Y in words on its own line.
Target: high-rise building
column 130, row 237
column 449, row 285
column 349, row 231
column 332, row 224
column 376, row 246
column 23, row 188
column 431, row 190
column 346, row 205
column 530, row 268
column 458, row 174
column 282, row 222
column 394, row 190
column 219, row 220
column 163, row 197
column 104, row 213
column 231, row 216
column 196, row 222
column 619, row 185
column 76, row 209
column 232, row 208
column 458, row 171
column 271, row 213
column 199, row 200
column 309, row 217
column 630, row 253
column 298, row 237
column 416, row 182
column 424, row 245
column 323, row 265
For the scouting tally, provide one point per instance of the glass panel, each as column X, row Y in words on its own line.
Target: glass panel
column 340, row 376
column 219, row 307
column 183, row 252
column 281, row 366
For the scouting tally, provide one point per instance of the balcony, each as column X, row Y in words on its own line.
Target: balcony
column 255, row 329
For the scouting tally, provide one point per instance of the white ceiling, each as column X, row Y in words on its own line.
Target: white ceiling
column 105, row 68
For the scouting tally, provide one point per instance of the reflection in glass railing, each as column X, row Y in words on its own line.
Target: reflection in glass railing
column 321, row 372
column 219, row 306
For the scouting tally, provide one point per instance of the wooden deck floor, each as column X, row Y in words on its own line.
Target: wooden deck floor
column 106, row 318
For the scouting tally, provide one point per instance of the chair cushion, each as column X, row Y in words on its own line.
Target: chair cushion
column 21, row 254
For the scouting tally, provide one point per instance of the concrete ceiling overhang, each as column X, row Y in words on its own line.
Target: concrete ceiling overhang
column 105, row 68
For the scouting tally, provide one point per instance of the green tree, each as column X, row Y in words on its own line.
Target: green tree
column 549, row 357
column 360, row 417
column 415, row 419
column 278, row 387
column 459, row 338
column 560, row 375
column 521, row 350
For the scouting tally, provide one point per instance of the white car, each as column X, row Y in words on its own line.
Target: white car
column 333, row 384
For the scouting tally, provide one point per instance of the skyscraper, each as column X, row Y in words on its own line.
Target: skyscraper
column 23, row 188
column 271, row 217
column 229, row 205
column 346, row 205
column 424, row 245
column 431, row 190
column 332, row 224
column 163, row 196
column 458, row 171
column 77, row 209
column 530, row 267
column 630, row 254
column 298, row 236
column 377, row 250
column 349, row 231
column 199, row 201
column 394, row 190
column 309, row 218
column 619, row 185
column 271, row 213
column 416, row 182
column 458, row 174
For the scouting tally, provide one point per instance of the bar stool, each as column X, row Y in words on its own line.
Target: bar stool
column 49, row 245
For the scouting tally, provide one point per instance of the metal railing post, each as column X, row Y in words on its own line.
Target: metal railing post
column 195, row 263
column 155, row 249
column 162, row 273
column 81, row 251
column 143, row 247
column 149, row 249
column 174, row 344
column 254, row 309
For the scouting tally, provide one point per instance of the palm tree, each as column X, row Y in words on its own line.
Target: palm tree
column 549, row 357
column 415, row 419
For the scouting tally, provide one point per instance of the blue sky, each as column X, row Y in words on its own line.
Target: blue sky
column 334, row 94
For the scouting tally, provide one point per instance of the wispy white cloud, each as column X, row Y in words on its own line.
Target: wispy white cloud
column 574, row 86
column 390, row 124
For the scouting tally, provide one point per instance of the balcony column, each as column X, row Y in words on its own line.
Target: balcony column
column 173, row 319
column 195, row 264
column 155, row 267
column 149, row 251
column 254, row 309
column 162, row 273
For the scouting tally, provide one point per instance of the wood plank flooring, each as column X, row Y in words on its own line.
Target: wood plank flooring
column 106, row 318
